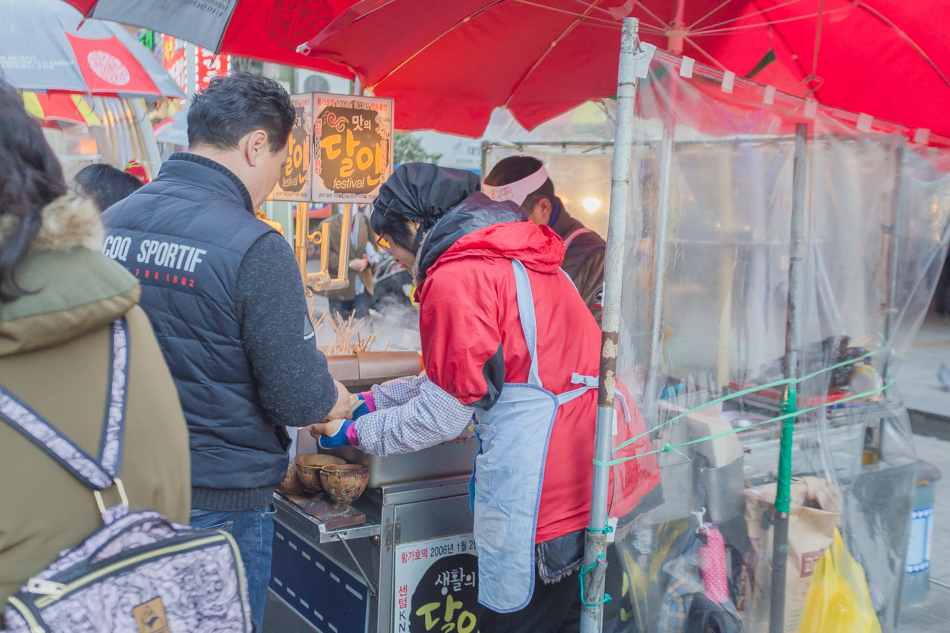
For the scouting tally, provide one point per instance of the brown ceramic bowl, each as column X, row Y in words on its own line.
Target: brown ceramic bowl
column 344, row 483
column 309, row 467
column 291, row 484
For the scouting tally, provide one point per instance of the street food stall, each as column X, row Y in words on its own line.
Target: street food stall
column 769, row 260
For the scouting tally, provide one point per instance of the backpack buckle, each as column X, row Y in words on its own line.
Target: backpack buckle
column 110, row 513
column 44, row 587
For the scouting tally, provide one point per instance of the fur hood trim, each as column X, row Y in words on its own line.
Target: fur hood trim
column 68, row 222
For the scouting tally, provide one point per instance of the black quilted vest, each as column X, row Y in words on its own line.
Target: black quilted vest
column 183, row 236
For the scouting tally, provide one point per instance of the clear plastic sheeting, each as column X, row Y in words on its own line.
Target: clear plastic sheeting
column 702, row 350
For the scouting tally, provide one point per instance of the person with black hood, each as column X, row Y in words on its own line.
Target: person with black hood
column 494, row 307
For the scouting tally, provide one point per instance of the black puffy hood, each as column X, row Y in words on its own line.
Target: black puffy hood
column 474, row 213
column 423, row 192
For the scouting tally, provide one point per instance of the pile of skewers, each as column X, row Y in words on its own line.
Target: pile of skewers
column 347, row 338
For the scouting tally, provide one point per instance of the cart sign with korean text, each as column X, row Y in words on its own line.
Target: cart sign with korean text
column 294, row 182
column 352, row 147
column 435, row 586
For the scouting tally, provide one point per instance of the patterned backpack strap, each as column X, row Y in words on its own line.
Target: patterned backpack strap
column 97, row 475
column 113, row 425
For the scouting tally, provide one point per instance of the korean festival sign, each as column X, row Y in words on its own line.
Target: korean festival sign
column 294, row 182
column 352, row 147
column 435, row 586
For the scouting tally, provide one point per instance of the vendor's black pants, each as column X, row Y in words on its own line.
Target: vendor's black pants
column 554, row 608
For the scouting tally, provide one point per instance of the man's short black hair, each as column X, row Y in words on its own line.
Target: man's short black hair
column 239, row 103
column 513, row 169
column 105, row 184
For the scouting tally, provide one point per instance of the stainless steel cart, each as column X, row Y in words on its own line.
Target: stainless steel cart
column 413, row 559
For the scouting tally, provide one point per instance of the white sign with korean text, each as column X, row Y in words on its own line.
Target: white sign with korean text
column 435, row 585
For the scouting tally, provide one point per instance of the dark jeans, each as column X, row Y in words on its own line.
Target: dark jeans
column 358, row 307
column 554, row 608
column 253, row 530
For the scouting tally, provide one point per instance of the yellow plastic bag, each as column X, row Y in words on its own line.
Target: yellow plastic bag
column 838, row 599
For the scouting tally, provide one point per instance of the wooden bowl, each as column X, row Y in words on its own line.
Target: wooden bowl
column 291, row 485
column 309, row 467
column 344, row 483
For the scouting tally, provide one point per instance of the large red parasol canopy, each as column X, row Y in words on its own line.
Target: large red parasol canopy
column 448, row 64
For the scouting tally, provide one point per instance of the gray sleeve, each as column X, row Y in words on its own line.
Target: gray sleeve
column 293, row 381
column 431, row 417
column 393, row 393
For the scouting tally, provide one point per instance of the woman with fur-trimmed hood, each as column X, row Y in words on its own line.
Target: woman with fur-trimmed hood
column 58, row 299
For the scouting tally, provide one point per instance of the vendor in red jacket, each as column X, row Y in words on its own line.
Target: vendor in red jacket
column 507, row 339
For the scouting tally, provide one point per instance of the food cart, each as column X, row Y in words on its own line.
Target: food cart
column 370, row 577
column 774, row 246
column 414, row 550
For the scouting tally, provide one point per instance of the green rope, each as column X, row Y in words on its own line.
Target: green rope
column 750, row 390
column 585, row 571
column 669, row 447
column 783, row 494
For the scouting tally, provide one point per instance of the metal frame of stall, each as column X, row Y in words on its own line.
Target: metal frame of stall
column 596, row 542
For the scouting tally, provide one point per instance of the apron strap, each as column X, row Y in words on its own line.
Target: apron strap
column 528, row 321
column 587, row 383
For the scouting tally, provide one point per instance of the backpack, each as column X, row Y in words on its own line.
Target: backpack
column 140, row 573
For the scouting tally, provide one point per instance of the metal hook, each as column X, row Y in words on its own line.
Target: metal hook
column 700, row 514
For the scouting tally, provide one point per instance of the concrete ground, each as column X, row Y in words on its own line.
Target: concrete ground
column 929, row 407
column 917, row 375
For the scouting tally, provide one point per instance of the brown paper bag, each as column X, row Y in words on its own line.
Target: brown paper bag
column 813, row 515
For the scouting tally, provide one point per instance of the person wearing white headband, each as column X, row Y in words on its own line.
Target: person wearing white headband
column 524, row 181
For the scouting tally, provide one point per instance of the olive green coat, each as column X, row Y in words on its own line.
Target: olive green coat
column 54, row 353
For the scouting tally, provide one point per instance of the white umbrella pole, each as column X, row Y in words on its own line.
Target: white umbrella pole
column 595, row 564
column 792, row 356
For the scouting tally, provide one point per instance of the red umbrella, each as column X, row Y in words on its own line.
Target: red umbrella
column 109, row 68
column 449, row 64
column 269, row 31
column 41, row 50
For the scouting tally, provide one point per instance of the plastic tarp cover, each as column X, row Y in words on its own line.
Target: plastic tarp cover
column 705, row 307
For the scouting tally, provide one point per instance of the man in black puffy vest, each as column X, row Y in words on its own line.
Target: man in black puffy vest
column 224, row 294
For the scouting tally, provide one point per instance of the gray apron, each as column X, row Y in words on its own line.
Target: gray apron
column 509, row 471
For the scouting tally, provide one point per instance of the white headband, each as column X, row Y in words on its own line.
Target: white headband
column 518, row 190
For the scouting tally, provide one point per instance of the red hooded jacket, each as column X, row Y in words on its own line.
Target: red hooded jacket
column 473, row 342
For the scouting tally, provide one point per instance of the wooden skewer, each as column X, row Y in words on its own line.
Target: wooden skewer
column 332, row 321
